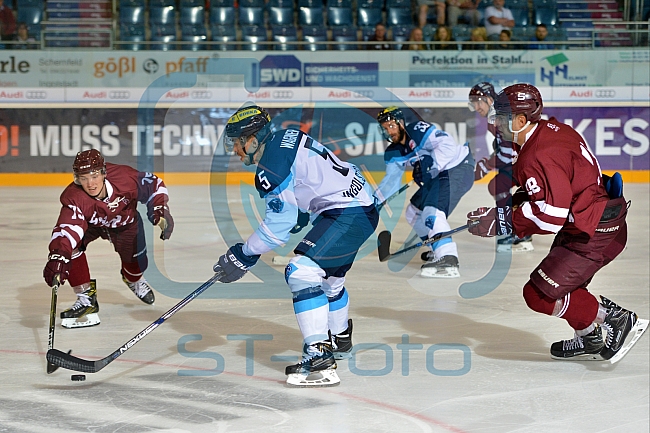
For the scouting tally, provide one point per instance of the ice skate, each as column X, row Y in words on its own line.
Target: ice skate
column 317, row 368
column 444, row 267
column 342, row 343
column 83, row 312
column 585, row 348
column 618, row 323
column 515, row 244
column 142, row 290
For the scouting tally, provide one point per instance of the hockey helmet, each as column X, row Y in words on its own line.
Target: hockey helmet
column 248, row 121
column 88, row 161
column 387, row 114
column 520, row 98
column 480, row 92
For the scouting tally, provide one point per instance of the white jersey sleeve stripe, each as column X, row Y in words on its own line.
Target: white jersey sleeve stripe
column 528, row 213
column 550, row 210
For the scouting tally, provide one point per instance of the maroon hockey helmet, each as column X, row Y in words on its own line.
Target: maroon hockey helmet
column 520, row 98
column 88, row 161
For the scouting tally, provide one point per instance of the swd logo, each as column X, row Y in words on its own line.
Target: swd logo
column 558, row 72
column 280, row 71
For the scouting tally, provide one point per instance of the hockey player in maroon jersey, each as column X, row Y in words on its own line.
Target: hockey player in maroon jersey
column 481, row 98
column 101, row 203
column 566, row 195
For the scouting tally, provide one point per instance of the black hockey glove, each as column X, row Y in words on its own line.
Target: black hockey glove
column 57, row 264
column 234, row 264
column 160, row 216
column 422, row 170
column 493, row 221
column 301, row 223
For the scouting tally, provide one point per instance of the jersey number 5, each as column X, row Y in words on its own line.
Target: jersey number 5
column 326, row 155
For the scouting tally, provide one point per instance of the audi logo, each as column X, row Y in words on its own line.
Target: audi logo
column 35, row 94
column 201, row 94
column 605, row 93
column 365, row 93
column 150, row 66
column 282, row 94
column 444, row 94
column 119, row 94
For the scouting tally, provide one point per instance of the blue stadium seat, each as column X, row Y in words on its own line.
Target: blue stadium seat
column 368, row 16
column 253, row 35
column 546, row 16
column 162, row 3
column 399, row 16
column 191, row 3
column 123, row 3
column 312, row 34
column 163, row 42
column 345, row 34
column 224, row 34
column 339, row 13
column 280, row 16
column 192, row 15
column 31, row 4
column 132, row 15
column 516, row 4
column 461, row 32
column 251, row 15
column 222, row 15
column 401, row 34
column 282, row 35
column 310, row 12
column 222, row 3
column 366, row 33
column 195, row 40
column 520, row 16
column 30, row 15
column 162, row 15
column 135, row 34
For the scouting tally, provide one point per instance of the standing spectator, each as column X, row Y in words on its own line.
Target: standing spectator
column 541, row 32
column 478, row 35
column 379, row 40
column 423, row 10
column 443, row 35
column 497, row 18
column 7, row 21
column 24, row 41
column 463, row 8
column 416, row 36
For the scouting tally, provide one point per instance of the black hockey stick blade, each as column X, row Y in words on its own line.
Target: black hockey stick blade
column 383, row 245
column 384, row 251
column 70, row 362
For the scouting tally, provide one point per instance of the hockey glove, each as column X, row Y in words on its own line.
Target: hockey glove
column 493, row 221
column 482, row 168
column 160, row 216
column 301, row 223
column 57, row 264
column 234, row 264
column 422, row 170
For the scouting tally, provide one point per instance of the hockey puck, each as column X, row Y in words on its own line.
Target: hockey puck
column 78, row 377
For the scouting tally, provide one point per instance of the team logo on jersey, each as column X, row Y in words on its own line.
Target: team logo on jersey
column 276, row 205
column 412, row 144
column 115, row 203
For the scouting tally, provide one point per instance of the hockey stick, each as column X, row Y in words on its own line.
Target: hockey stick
column 51, row 368
column 383, row 242
column 70, row 362
column 395, row 194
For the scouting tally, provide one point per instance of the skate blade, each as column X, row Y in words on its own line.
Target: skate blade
column 280, row 260
column 433, row 273
column 519, row 248
column 323, row 378
column 584, row 357
column 91, row 319
column 635, row 333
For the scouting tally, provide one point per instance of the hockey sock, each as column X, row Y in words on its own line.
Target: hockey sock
column 602, row 313
column 338, row 312
column 132, row 272
column 537, row 300
column 578, row 308
column 79, row 272
column 311, row 308
column 586, row 331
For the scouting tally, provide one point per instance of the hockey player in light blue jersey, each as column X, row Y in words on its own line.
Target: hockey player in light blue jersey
column 443, row 169
column 295, row 172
